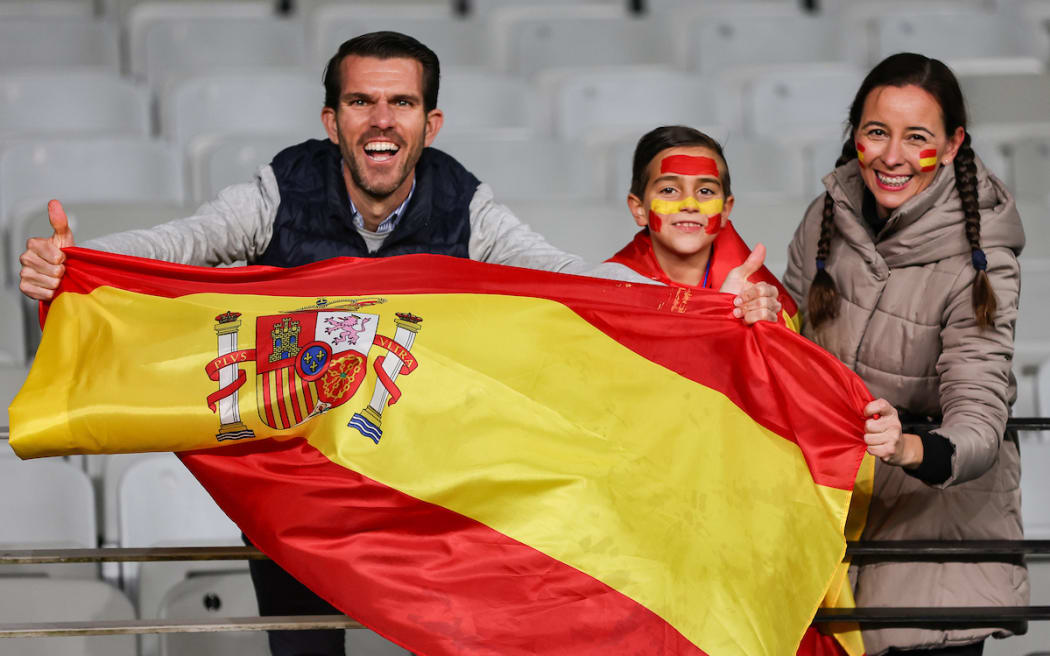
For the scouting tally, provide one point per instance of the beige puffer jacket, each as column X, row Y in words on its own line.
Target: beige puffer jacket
column 906, row 326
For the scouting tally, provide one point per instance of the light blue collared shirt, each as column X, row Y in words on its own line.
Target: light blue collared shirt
column 390, row 222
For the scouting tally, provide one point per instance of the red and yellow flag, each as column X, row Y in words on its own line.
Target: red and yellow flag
column 469, row 458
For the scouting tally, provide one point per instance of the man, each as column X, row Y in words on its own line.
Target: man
column 373, row 190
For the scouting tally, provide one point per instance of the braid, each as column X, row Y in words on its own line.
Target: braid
column 984, row 301
column 823, row 300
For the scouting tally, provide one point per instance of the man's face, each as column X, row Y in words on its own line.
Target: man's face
column 380, row 124
column 683, row 204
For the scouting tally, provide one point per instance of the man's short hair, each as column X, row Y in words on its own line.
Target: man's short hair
column 383, row 45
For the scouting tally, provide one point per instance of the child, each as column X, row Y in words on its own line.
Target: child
column 681, row 197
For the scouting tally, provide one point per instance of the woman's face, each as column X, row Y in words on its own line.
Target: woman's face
column 901, row 142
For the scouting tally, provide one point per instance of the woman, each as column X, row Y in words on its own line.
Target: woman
column 906, row 269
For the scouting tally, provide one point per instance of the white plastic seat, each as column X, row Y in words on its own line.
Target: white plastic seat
column 170, row 39
column 612, row 103
column 1030, row 161
column 457, row 40
column 47, row 9
column 119, row 169
column 12, row 327
column 58, row 43
column 770, row 221
column 39, row 104
column 1031, row 343
column 804, row 102
column 206, row 596
column 530, row 39
column 46, row 504
column 530, row 169
column 1022, row 117
column 721, row 38
column 959, row 37
column 484, row 102
column 11, row 379
column 200, row 111
column 36, row 600
column 249, row 102
column 232, row 159
column 159, row 503
column 594, row 230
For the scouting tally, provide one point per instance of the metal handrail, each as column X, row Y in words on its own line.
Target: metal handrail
column 1014, row 423
column 961, row 550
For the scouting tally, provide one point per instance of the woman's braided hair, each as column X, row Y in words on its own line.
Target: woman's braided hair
column 931, row 75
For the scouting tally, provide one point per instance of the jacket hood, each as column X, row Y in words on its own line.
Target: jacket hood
column 929, row 226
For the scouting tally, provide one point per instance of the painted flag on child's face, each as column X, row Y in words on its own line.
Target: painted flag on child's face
column 505, row 462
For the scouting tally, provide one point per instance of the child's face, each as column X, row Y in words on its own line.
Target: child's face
column 684, row 205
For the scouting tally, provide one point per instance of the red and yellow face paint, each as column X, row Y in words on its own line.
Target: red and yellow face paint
column 688, row 165
column 927, row 160
column 860, row 153
column 712, row 209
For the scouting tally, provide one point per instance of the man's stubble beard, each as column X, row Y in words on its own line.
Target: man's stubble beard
column 380, row 193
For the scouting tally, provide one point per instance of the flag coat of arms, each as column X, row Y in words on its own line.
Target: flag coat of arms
column 476, row 459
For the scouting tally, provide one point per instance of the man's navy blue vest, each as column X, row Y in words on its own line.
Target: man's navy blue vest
column 313, row 220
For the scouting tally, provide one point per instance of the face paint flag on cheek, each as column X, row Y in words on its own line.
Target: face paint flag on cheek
column 712, row 209
column 927, row 160
column 860, row 154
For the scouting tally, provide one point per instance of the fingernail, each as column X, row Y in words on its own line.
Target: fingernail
column 738, row 301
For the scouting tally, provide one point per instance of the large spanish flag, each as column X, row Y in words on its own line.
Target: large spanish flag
column 475, row 459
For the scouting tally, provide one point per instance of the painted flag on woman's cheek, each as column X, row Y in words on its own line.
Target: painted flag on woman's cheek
column 469, row 458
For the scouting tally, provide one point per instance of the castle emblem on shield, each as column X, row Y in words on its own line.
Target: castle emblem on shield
column 308, row 361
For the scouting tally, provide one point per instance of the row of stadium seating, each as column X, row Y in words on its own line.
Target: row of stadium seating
column 143, row 500
column 156, row 41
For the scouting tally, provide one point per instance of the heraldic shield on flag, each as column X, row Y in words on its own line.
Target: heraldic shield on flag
column 308, row 361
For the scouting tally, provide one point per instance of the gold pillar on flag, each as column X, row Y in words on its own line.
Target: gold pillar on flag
column 230, row 425
column 368, row 421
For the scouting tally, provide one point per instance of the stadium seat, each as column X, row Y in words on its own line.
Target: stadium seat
column 207, row 596
column 119, row 169
column 231, row 159
column 480, row 102
column 530, row 39
column 1023, row 117
column 1035, row 215
column 457, row 40
column 484, row 7
column 801, row 102
column 719, row 38
column 47, row 9
column 39, row 104
column 594, row 230
column 608, row 104
column 168, row 39
column 39, row 600
column 58, row 43
column 46, row 504
column 966, row 40
column 159, row 503
column 13, row 347
column 199, row 111
column 1031, row 343
column 771, row 222
column 1030, row 161
column 530, row 169
column 11, row 379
